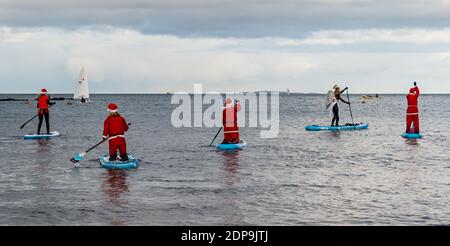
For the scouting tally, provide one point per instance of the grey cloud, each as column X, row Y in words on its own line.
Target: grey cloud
column 283, row 18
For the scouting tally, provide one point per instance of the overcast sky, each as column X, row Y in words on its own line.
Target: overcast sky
column 138, row 46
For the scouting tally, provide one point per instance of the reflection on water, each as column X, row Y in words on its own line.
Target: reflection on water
column 412, row 142
column 336, row 134
column 42, row 145
column 118, row 223
column 41, row 180
column 42, row 154
column 231, row 165
column 233, row 214
column 114, row 185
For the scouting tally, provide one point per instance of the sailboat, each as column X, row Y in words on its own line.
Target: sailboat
column 82, row 90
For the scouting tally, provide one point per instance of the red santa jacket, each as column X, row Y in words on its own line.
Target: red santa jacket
column 43, row 102
column 413, row 98
column 114, row 125
column 229, row 117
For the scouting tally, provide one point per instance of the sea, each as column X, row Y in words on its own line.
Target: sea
column 366, row 177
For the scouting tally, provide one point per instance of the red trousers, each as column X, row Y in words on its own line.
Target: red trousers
column 117, row 144
column 412, row 119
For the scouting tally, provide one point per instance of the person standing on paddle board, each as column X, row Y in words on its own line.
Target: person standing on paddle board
column 229, row 120
column 335, row 96
column 114, row 129
column 412, row 113
column 43, row 102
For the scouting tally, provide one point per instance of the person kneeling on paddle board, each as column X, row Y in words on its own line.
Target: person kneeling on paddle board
column 412, row 113
column 43, row 111
column 229, row 120
column 114, row 129
column 334, row 104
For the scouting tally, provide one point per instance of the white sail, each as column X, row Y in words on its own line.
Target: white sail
column 82, row 90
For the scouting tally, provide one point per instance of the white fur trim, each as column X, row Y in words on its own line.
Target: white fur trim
column 117, row 136
column 225, row 132
column 229, row 106
column 112, row 111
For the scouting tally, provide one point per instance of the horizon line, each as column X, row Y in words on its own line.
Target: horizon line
column 281, row 92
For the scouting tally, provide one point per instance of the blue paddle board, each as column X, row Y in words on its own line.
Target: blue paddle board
column 41, row 136
column 412, row 135
column 240, row 145
column 131, row 163
column 360, row 126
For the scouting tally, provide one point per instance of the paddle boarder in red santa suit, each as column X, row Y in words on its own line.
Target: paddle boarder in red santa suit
column 412, row 113
column 114, row 129
column 43, row 102
column 229, row 120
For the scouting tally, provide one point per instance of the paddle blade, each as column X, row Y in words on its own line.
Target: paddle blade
column 78, row 157
column 24, row 124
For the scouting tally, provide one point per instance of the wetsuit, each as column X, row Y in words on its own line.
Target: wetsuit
column 336, row 108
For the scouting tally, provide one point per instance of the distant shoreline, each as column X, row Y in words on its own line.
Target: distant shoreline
column 281, row 93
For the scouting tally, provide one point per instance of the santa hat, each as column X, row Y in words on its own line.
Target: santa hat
column 112, row 108
column 43, row 91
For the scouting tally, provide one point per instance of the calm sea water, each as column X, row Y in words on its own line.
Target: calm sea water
column 371, row 177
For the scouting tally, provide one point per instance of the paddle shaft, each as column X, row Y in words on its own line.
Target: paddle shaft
column 32, row 118
column 216, row 136
column 350, row 107
column 95, row 146
column 80, row 156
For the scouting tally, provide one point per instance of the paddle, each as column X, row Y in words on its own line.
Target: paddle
column 350, row 107
column 33, row 118
column 80, row 156
column 215, row 137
